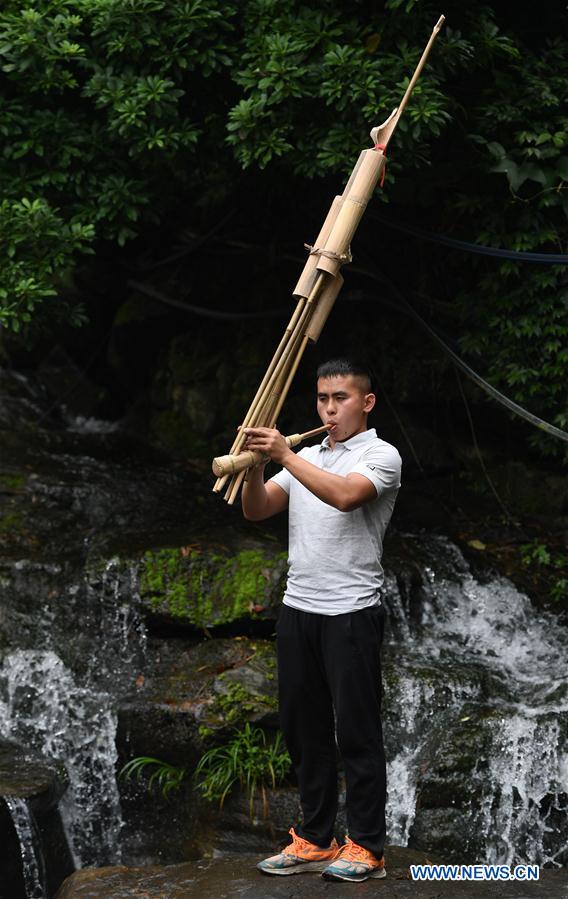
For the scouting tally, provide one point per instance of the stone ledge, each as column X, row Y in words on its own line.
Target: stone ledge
column 235, row 875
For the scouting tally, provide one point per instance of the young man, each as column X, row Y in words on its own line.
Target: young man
column 340, row 496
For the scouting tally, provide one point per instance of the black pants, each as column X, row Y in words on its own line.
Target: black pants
column 327, row 663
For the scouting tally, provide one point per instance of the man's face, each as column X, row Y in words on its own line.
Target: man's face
column 342, row 401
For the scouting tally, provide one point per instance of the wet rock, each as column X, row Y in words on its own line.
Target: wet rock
column 28, row 775
column 226, row 877
column 187, row 697
column 31, row 786
column 189, row 692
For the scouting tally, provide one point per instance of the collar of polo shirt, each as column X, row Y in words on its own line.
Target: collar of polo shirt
column 357, row 440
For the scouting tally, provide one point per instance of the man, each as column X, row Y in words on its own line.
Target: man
column 340, row 497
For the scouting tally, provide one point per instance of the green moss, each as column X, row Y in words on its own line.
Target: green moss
column 207, row 589
column 12, row 481
column 11, row 521
column 235, row 702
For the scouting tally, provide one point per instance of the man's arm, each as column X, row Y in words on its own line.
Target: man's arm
column 260, row 500
column 343, row 493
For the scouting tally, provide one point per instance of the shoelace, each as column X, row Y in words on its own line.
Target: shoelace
column 356, row 851
column 298, row 843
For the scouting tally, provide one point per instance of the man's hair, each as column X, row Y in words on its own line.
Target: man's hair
column 344, row 367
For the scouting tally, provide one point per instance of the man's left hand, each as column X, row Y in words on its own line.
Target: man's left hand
column 269, row 441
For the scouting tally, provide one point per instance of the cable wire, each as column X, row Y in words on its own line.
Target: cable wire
column 468, row 247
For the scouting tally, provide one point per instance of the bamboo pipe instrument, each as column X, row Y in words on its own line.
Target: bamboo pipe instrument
column 248, row 459
column 320, row 281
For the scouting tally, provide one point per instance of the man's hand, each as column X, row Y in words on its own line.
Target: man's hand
column 269, row 441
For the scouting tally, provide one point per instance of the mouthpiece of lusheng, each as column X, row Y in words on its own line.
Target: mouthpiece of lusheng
column 234, row 463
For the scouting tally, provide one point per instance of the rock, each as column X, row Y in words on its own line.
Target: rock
column 187, row 697
column 189, row 693
column 33, row 786
column 207, row 584
column 225, row 877
column 28, row 775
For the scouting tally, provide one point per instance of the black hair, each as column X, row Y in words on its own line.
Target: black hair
column 343, row 367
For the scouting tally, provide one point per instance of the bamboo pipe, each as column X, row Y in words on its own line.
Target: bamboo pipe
column 307, row 279
column 365, row 178
column 232, row 464
column 356, row 167
column 276, row 393
column 335, row 251
column 327, row 298
column 234, row 487
column 251, row 411
column 291, row 374
column 279, row 374
column 417, row 71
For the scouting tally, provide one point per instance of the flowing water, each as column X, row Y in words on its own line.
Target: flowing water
column 33, row 866
column 72, row 716
column 479, row 652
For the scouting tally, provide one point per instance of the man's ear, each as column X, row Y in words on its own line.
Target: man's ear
column 370, row 400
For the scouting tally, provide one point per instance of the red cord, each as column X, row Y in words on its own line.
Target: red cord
column 382, row 147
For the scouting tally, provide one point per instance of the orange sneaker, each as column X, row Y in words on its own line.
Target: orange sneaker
column 299, row 856
column 354, row 862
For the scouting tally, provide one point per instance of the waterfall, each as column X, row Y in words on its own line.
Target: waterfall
column 42, row 706
column 72, row 717
column 480, row 652
column 412, row 697
column 33, row 867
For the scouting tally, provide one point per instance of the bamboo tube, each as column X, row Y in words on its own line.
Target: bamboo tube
column 251, row 411
column 355, row 199
column 280, row 372
column 354, row 204
column 383, row 133
column 351, row 178
column 232, row 464
column 307, row 278
column 324, row 306
column 234, row 487
column 291, row 374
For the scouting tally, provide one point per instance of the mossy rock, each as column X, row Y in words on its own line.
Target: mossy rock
column 248, row 692
column 198, row 586
column 189, row 694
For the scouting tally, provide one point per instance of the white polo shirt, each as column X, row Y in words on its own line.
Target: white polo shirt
column 334, row 557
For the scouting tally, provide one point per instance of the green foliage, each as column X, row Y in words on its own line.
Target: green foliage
column 119, row 116
column 516, row 317
column 314, row 82
column 555, row 564
column 165, row 776
column 99, row 119
column 36, row 245
column 249, row 760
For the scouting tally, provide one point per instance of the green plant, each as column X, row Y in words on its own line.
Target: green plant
column 554, row 563
column 167, row 777
column 249, row 760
